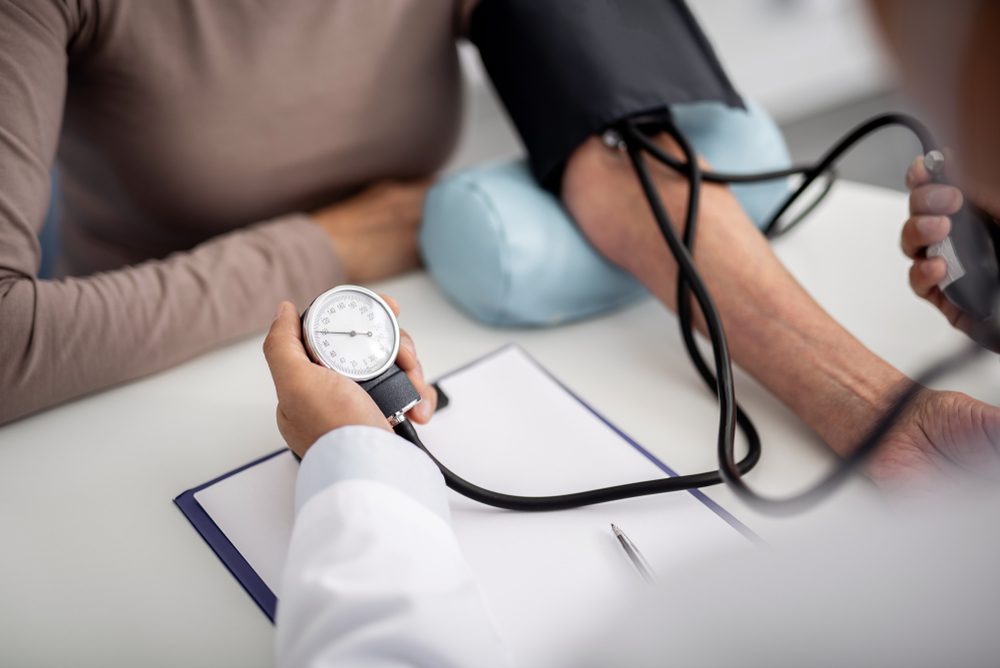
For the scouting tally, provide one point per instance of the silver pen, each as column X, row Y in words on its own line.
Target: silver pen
column 634, row 555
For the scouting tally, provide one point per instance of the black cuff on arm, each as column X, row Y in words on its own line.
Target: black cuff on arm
column 568, row 69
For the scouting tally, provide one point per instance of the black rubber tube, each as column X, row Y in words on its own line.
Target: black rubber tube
column 689, row 282
column 688, row 274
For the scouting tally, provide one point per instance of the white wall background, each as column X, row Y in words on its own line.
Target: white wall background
column 796, row 57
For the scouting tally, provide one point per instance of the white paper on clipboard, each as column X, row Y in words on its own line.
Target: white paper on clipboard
column 546, row 576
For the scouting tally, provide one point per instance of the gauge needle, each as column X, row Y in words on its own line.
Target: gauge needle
column 350, row 333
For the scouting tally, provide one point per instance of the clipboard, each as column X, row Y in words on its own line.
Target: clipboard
column 473, row 522
column 222, row 546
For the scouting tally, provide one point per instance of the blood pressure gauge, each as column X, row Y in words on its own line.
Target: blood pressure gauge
column 352, row 331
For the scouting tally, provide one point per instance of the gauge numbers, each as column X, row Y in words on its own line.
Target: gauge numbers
column 352, row 331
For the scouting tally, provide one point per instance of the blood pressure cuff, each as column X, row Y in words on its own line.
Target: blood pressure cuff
column 506, row 252
column 569, row 69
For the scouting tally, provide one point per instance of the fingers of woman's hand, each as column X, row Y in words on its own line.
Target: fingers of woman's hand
column 935, row 199
column 919, row 232
column 926, row 274
column 283, row 346
column 410, row 364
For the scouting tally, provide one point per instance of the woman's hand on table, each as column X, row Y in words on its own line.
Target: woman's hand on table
column 375, row 232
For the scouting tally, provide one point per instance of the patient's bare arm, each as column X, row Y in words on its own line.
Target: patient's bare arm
column 776, row 331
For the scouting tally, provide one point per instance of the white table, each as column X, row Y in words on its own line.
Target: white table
column 98, row 568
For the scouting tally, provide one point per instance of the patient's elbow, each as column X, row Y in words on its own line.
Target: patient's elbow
column 27, row 366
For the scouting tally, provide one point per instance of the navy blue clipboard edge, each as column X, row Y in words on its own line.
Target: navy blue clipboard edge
column 262, row 594
column 221, row 545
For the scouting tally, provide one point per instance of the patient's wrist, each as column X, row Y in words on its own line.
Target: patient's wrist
column 865, row 396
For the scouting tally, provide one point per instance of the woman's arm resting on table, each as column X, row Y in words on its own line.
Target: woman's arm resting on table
column 60, row 339
column 374, row 574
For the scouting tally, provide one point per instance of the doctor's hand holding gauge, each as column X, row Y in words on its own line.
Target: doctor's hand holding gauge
column 353, row 332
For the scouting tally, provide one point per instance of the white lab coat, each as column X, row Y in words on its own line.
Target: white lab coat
column 376, row 578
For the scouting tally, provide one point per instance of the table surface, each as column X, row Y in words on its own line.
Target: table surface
column 99, row 568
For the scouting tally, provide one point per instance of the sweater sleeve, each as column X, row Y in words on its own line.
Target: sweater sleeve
column 64, row 338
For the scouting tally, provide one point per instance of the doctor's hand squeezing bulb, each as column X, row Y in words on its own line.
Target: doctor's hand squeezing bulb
column 971, row 252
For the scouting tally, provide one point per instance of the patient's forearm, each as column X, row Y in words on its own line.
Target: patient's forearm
column 776, row 331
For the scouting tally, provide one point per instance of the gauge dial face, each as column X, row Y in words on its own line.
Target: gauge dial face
column 351, row 330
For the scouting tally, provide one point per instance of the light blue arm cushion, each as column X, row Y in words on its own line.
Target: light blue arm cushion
column 506, row 252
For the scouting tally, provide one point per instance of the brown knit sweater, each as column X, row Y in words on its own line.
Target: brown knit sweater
column 190, row 134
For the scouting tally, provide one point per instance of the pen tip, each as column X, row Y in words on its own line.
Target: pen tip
column 615, row 529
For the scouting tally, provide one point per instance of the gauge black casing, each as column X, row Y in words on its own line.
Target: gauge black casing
column 392, row 391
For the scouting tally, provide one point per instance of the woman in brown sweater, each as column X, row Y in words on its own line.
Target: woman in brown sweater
column 194, row 138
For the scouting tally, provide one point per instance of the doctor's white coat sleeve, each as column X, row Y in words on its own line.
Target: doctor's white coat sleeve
column 374, row 575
